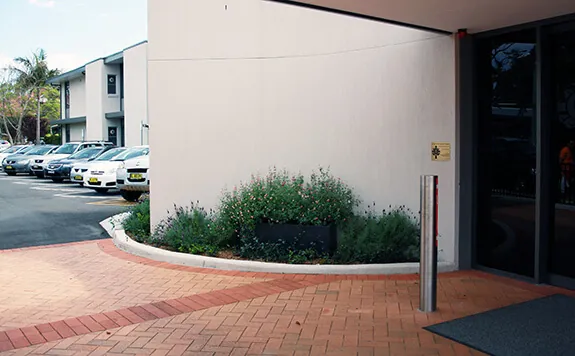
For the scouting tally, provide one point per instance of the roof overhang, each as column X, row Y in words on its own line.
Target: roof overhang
column 72, row 120
column 115, row 115
column 447, row 16
column 64, row 77
column 116, row 58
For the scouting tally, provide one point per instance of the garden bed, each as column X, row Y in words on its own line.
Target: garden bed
column 288, row 219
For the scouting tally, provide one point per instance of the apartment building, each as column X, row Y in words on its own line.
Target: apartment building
column 370, row 88
column 106, row 99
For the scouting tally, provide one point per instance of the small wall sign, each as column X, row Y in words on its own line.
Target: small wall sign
column 440, row 151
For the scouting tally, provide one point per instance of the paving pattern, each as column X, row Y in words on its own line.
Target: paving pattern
column 93, row 299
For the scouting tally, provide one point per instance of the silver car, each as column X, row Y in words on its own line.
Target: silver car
column 20, row 162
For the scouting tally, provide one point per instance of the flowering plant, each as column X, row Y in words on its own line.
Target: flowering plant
column 282, row 198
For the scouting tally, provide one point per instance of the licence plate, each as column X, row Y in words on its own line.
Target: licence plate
column 78, row 177
column 8, row 167
column 93, row 180
column 50, row 172
column 135, row 176
column 35, row 167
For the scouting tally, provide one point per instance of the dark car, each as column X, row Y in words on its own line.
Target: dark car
column 20, row 162
column 59, row 170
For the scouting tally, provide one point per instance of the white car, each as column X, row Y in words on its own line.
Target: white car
column 4, row 144
column 132, row 178
column 80, row 169
column 64, row 151
column 101, row 175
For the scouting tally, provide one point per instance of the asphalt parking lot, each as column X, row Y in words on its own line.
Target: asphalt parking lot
column 35, row 212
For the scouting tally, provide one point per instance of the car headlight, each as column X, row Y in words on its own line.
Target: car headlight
column 111, row 171
column 122, row 165
column 24, row 161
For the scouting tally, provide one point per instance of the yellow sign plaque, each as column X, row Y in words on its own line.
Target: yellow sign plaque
column 440, row 151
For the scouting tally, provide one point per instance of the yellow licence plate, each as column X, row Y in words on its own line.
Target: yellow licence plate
column 78, row 177
column 135, row 176
column 8, row 167
column 93, row 180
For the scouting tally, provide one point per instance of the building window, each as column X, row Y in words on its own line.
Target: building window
column 112, row 84
column 67, row 100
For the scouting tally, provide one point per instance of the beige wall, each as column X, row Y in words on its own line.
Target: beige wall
column 111, row 101
column 77, row 97
column 76, row 131
column 135, row 93
column 95, row 86
column 238, row 90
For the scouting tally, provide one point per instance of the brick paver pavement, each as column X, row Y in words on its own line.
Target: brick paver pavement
column 270, row 315
column 42, row 285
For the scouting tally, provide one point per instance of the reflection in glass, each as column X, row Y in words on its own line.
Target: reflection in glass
column 506, row 239
column 562, row 247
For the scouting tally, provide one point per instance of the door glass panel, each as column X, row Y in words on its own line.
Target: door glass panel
column 562, row 244
column 507, row 153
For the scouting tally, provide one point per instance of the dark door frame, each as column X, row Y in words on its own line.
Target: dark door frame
column 468, row 142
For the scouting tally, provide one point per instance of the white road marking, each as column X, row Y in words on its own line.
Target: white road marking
column 57, row 189
column 79, row 196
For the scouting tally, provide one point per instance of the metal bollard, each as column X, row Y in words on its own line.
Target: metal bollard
column 428, row 257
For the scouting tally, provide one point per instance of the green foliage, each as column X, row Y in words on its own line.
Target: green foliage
column 371, row 237
column 53, row 139
column 281, row 198
column 137, row 224
column 192, row 230
column 282, row 251
column 392, row 236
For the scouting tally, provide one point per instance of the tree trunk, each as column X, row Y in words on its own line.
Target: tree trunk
column 38, row 113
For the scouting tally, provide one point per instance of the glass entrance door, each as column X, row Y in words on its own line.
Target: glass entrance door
column 562, row 236
column 507, row 153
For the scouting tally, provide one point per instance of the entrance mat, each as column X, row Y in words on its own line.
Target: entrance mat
column 544, row 326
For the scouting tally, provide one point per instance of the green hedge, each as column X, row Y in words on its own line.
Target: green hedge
column 368, row 237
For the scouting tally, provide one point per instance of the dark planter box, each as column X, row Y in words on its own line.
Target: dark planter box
column 321, row 238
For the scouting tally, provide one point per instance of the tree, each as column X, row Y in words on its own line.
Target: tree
column 32, row 74
column 14, row 107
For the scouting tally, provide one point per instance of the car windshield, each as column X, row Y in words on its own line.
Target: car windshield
column 26, row 149
column 110, row 154
column 132, row 153
column 86, row 153
column 12, row 149
column 66, row 149
column 42, row 150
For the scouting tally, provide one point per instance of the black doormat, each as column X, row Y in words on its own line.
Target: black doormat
column 542, row 327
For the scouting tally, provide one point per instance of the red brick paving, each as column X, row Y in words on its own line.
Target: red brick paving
column 271, row 314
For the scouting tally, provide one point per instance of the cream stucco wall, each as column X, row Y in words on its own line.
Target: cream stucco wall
column 95, row 86
column 237, row 87
column 76, row 131
column 77, row 97
column 135, row 93
column 112, row 101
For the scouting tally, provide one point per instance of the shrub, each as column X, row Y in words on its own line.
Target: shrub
column 281, row 198
column 192, row 230
column 392, row 236
column 137, row 224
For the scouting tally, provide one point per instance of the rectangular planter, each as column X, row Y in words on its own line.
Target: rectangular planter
column 321, row 238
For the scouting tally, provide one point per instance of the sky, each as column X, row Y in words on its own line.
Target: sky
column 72, row 32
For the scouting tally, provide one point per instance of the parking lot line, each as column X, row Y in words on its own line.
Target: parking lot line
column 79, row 196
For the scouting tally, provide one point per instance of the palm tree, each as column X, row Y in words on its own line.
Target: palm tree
column 33, row 74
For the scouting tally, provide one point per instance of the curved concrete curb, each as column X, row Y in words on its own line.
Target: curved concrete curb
column 114, row 222
column 125, row 243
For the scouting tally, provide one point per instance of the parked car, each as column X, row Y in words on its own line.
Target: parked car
column 20, row 162
column 102, row 174
column 64, row 151
column 132, row 178
column 59, row 170
column 81, row 169
column 4, row 144
column 14, row 150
